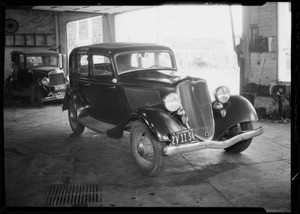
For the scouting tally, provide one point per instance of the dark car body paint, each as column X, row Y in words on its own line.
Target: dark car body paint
column 159, row 122
column 239, row 110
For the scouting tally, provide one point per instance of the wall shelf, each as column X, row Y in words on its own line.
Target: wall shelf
column 30, row 40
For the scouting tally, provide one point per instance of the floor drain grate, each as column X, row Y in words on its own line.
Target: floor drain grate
column 73, row 195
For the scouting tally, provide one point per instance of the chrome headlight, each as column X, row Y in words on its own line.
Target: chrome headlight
column 45, row 81
column 172, row 102
column 222, row 94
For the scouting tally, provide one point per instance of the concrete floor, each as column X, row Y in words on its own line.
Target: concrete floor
column 40, row 151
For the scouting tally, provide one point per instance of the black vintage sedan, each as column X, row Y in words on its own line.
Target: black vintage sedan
column 136, row 87
column 37, row 75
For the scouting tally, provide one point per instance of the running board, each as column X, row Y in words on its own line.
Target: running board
column 95, row 125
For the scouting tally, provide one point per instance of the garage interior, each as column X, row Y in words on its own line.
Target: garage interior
column 42, row 159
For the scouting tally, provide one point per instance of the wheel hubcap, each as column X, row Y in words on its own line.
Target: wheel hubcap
column 144, row 148
column 141, row 150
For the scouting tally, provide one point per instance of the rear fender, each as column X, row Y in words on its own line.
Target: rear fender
column 76, row 97
column 159, row 123
column 238, row 110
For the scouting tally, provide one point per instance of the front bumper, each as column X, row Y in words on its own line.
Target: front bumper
column 58, row 96
column 208, row 144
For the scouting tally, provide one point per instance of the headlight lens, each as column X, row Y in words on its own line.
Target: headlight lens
column 45, row 81
column 172, row 102
column 222, row 94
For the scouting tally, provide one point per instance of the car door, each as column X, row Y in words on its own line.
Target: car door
column 105, row 91
column 24, row 76
column 81, row 80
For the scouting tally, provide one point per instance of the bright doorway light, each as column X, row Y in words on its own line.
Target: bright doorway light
column 200, row 36
column 284, row 41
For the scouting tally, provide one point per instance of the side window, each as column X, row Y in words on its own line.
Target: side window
column 83, row 64
column 101, row 66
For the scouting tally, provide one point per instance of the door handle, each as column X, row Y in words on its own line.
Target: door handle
column 86, row 84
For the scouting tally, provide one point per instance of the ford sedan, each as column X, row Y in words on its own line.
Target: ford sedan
column 137, row 87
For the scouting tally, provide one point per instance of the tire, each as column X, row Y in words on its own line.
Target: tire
column 147, row 152
column 36, row 97
column 76, row 127
column 241, row 146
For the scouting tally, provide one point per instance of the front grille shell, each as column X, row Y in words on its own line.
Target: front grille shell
column 196, row 102
column 56, row 79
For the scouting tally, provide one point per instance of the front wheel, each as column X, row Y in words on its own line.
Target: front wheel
column 241, row 146
column 146, row 151
column 76, row 127
column 36, row 97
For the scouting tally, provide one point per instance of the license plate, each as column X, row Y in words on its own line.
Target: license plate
column 60, row 96
column 59, row 87
column 183, row 137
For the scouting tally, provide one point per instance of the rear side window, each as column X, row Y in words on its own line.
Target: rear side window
column 83, row 64
column 101, row 66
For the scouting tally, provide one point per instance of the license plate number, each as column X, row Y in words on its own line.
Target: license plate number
column 60, row 96
column 183, row 137
column 59, row 87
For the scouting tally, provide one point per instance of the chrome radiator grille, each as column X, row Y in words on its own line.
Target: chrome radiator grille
column 56, row 79
column 197, row 104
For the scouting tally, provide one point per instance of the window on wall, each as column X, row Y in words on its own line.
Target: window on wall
column 284, row 41
column 84, row 32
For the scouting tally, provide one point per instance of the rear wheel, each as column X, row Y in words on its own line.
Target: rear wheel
column 146, row 151
column 241, row 146
column 76, row 127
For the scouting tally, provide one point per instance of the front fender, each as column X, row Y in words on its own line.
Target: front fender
column 75, row 96
column 159, row 123
column 238, row 110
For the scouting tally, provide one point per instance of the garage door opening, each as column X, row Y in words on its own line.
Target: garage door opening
column 200, row 36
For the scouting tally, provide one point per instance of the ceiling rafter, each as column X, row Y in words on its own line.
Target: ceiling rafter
column 113, row 9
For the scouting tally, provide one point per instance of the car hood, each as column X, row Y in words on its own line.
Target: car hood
column 154, row 76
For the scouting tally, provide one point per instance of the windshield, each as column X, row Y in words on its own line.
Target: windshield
column 33, row 61
column 144, row 60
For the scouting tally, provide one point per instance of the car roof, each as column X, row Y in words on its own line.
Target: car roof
column 113, row 48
